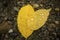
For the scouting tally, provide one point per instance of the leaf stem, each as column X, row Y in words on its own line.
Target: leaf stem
column 26, row 39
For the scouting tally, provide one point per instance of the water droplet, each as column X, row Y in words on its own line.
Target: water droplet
column 32, row 19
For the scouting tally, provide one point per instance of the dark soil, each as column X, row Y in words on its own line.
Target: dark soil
column 8, row 15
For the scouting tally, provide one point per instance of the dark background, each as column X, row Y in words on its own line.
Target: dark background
column 8, row 15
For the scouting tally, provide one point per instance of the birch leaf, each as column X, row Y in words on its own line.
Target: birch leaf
column 22, row 20
column 29, row 20
column 40, row 19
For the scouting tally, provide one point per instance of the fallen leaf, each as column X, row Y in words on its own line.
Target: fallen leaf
column 29, row 20
column 22, row 20
column 40, row 19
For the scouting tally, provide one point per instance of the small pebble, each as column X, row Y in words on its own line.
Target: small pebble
column 49, row 19
column 18, row 2
column 41, row 5
column 9, row 22
column 16, row 9
column 35, row 5
column 6, row 36
column 11, row 30
column 57, row 22
column 57, row 9
column 5, row 18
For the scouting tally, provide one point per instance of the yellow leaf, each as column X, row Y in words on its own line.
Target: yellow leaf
column 22, row 20
column 41, row 16
column 29, row 20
